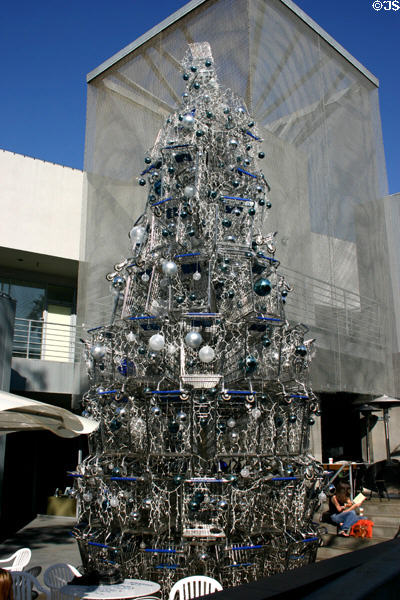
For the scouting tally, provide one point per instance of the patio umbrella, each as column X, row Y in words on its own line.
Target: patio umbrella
column 385, row 402
column 23, row 414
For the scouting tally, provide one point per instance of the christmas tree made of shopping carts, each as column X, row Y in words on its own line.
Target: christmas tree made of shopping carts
column 200, row 465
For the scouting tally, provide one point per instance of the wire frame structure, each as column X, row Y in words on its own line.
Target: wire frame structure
column 201, row 461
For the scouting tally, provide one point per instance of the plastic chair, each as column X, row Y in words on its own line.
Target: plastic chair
column 193, row 587
column 35, row 571
column 19, row 560
column 23, row 584
column 58, row 575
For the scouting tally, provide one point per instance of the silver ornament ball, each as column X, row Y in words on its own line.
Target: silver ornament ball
column 193, row 339
column 206, row 354
column 157, row 342
column 118, row 283
column 98, row 352
column 137, row 234
column 169, row 268
column 188, row 121
column 189, row 191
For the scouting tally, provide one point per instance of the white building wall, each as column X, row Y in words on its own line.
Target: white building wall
column 41, row 206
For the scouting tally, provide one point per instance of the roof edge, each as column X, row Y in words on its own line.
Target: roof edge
column 144, row 38
column 194, row 4
column 331, row 41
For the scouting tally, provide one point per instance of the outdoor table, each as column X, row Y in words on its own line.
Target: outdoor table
column 129, row 588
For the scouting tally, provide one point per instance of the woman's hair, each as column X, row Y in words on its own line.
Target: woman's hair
column 6, row 592
column 343, row 492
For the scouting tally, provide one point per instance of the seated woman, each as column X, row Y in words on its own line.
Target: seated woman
column 342, row 509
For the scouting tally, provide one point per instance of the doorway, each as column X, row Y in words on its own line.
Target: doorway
column 340, row 428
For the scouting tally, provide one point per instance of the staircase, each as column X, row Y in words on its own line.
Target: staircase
column 384, row 513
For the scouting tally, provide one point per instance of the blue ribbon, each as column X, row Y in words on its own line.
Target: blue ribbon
column 246, row 173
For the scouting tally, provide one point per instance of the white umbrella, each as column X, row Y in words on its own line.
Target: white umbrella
column 23, row 414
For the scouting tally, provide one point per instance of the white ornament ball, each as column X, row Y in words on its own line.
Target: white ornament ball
column 157, row 342
column 136, row 235
column 231, row 423
column 197, row 276
column 233, row 143
column 114, row 501
column 145, row 277
column 206, row 354
column 189, row 191
column 97, row 352
column 245, row 472
column 193, row 339
column 169, row 268
column 256, row 413
column 131, row 337
column 188, row 121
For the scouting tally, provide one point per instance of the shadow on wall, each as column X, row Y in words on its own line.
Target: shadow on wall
column 19, row 383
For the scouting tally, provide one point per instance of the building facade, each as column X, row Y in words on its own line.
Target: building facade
column 318, row 111
column 41, row 206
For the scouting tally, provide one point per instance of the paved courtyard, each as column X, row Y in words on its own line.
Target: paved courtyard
column 49, row 539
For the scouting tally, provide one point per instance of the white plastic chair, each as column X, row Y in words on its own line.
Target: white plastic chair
column 193, row 587
column 23, row 584
column 18, row 560
column 58, row 575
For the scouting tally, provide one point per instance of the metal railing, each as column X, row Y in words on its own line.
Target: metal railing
column 318, row 304
column 45, row 340
column 323, row 306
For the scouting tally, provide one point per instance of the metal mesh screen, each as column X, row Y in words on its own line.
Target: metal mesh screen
column 319, row 118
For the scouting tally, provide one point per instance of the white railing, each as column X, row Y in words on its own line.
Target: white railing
column 45, row 340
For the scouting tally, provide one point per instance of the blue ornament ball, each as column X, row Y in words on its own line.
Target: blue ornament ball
column 251, row 364
column 194, row 505
column 301, row 350
column 262, row 286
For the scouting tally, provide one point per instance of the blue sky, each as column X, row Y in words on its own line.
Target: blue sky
column 47, row 48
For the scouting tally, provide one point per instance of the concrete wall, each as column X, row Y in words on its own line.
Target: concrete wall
column 41, row 206
column 392, row 213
